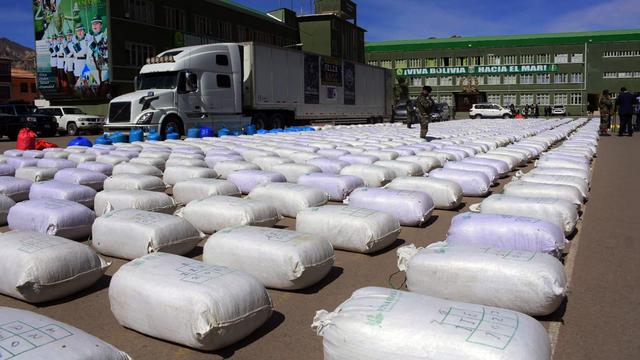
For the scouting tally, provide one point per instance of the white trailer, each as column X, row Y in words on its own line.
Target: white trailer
column 235, row 84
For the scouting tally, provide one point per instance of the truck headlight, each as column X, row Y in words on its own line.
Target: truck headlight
column 145, row 118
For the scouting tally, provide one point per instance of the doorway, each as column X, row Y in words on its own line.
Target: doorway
column 464, row 101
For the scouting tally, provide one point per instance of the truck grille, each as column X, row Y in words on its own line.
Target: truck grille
column 119, row 112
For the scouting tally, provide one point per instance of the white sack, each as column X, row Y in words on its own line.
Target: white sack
column 175, row 174
column 247, row 180
column 427, row 163
column 134, row 182
column 446, row 194
column 288, row 198
column 92, row 179
column 489, row 171
column 401, row 168
column 52, row 217
column 5, row 205
column 56, row 163
column 218, row 212
column 155, row 162
column 54, row 189
column 292, row 172
column 36, row 174
column 337, row 186
column 328, row 166
column 473, row 183
column 109, row 200
column 136, row 169
column 574, row 181
column 96, row 166
column 16, row 189
column 187, row 191
column 7, row 170
column 372, row 175
column 225, row 168
column 538, row 190
column 80, row 158
column 411, row 208
column 266, row 163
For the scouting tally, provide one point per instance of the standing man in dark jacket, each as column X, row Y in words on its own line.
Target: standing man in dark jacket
column 425, row 105
column 624, row 106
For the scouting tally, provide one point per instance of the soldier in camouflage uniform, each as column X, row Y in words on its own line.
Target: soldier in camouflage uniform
column 605, row 106
column 425, row 105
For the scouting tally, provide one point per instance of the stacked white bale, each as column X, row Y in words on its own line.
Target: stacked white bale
column 559, row 171
column 427, row 163
column 287, row 259
column 96, row 166
column 563, row 163
column 266, row 163
column 92, row 179
column 401, row 168
column 132, row 233
column 575, row 181
column 14, row 188
column 337, row 186
column 539, row 190
column 512, row 161
column 218, row 212
column 362, row 159
column 211, row 306
column 288, row 198
column 350, row 228
column 473, row 183
column 181, row 161
column 36, row 154
column 532, row 283
column 440, row 156
column 134, row 182
column 109, row 200
column 187, row 191
column 63, row 218
column 399, row 318
column 7, row 170
column 292, row 171
column 411, row 208
column 372, row 175
column 383, row 154
column 328, row 166
column 175, row 174
column 36, row 174
column 18, row 162
column 489, row 171
column 506, row 231
column 225, row 168
column 500, row 166
column 247, row 180
column 303, row 157
column 155, row 162
column 54, row 189
column 446, row 194
column 5, row 205
column 136, row 169
column 111, row 159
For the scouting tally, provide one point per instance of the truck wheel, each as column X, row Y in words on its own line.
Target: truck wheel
column 171, row 122
column 505, row 116
column 478, row 116
column 72, row 129
column 259, row 120
column 277, row 121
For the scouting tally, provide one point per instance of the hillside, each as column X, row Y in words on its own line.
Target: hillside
column 23, row 57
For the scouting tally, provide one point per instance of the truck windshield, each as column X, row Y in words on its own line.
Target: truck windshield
column 73, row 111
column 160, row 80
column 25, row 109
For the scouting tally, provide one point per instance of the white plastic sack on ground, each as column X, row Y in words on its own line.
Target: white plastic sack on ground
column 553, row 191
column 489, row 171
column 473, row 183
column 35, row 174
column 7, row 170
column 5, row 205
column 185, row 162
column 303, row 157
column 569, row 164
column 440, row 156
column 18, row 162
column 502, row 167
column 427, row 163
column 136, row 169
column 266, row 163
column 288, row 198
column 176, row 174
column 212, row 160
column 218, row 212
column 54, row 189
column 293, row 171
column 401, row 168
column 446, row 194
column 16, row 189
column 383, row 154
column 134, row 182
column 132, row 233
column 359, row 159
column 211, row 306
column 36, row 337
column 56, row 163
column 381, row 324
column 80, row 158
column 559, row 212
column 92, row 179
column 280, row 259
column 558, row 171
column 529, row 282
column 153, row 154
column 337, row 186
column 574, row 181
column 155, row 162
column 372, row 175
column 350, row 228
column 247, row 180
column 328, row 166
column 36, row 267
column 96, row 166
column 111, row 159
column 225, row 168
column 512, row 161
column 506, row 232
column 63, row 218
column 36, row 154
column 187, row 191
column 108, row 200
column 411, row 208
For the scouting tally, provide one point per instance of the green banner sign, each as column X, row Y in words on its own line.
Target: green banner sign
column 477, row 70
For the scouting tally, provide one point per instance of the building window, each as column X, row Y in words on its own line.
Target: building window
column 625, row 74
column 137, row 54
column 509, row 80
column 446, row 81
column 481, row 80
column 140, row 10
column 576, row 78
column 493, row 98
column 33, row 88
column 385, row 64
column 560, row 99
column 543, row 78
column 415, row 63
column 528, row 59
column 431, row 81
column 493, row 59
column 493, row 80
column 561, row 58
column 508, row 99
column 225, row 30
column 416, row 81
column 609, row 75
column 526, row 79
column 629, row 53
column 448, row 99
column 575, row 99
column 636, row 74
column 400, row 63
column 577, row 58
column 510, row 59
column 446, row 61
column 542, row 99
column 373, row 62
column 223, row 81
column 174, row 18
column 526, row 99
column 431, row 62
column 200, row 25
column 462, row 61
column 24, row 87
column 561, row 78
column 544, row 58
column 476, row 60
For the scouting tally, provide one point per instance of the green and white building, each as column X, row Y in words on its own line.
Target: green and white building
column 568, row 69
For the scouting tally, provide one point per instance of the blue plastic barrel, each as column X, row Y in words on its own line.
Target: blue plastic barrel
column 236, row 132
column 276, row 130
column 154, row 135
column 206, row 131
column 262, row 131
column 193, row 133
column 103, row 140
column 173, row 136
column 251, row 129
column 80, row 141
column 118, row 137
column 136, row 135
column 223, row 132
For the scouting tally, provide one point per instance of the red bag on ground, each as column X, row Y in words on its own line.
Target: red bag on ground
column 41, row 145
column 26, row 140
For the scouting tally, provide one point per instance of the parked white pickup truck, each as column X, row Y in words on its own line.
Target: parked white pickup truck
column 72, row 120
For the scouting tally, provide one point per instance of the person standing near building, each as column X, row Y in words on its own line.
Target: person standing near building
column 425, row 105
column 411, row 113
column 69, row 60
column 605, row 105
column 637, row 112
column 536, row 111
column 624, row 106
column 80, row 48
column 98, row 51
column 60, row 46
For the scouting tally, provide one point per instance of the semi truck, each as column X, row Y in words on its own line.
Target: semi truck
column 233, row 85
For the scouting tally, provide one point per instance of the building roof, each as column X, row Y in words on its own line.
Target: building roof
column 22, row 74
column 504, row 41
column 247, row 10
column 325, row 17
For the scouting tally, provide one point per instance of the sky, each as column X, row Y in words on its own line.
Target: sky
column 418, row 19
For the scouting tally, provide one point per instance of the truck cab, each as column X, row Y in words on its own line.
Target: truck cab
column 182, row 88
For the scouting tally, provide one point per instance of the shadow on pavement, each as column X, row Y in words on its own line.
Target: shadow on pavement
column 272, row 323
column 333, row 274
